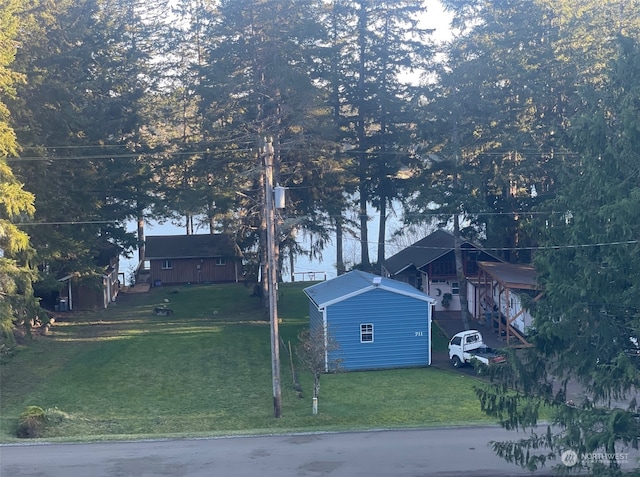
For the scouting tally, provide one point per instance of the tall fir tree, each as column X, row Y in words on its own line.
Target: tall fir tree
column 18, row 306
column 259, row 84
column 383, row 41
column 587, row 325
column 88, row 64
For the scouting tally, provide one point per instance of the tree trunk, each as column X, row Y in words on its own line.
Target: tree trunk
column 316, row 384
column 292, row 265
column 364, row 231
column 382, row 230
column 340, row 268
column 363, row 19
column 462, row 280
column 140, row 238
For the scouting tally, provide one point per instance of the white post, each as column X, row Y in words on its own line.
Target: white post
column 315, row 406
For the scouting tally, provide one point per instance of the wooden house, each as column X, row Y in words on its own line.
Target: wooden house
column 429, row 265
column 193, row 259
column 375, row 322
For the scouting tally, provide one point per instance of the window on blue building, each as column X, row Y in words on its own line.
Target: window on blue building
column 366, row 333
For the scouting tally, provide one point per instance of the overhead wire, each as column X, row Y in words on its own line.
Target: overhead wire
column 227, row 152
column 376, row 243
column 241, row 151
column 69, row 222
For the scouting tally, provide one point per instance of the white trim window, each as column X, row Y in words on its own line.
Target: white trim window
column 167, row 265
column 366, row 333
column 455, row 288
column 220, row 261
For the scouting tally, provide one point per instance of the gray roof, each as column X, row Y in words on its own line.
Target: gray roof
column 160, row 247
column 512, row 275
column 354, row 283
column 422, row 252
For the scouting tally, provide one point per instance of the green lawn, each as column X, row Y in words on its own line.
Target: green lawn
column 205, row 370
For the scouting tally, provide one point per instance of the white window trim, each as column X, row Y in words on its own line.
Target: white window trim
column 362, row 333
column 455, row 291
column 167, row 265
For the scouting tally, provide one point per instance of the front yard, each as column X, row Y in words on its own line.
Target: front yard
column 206, row 370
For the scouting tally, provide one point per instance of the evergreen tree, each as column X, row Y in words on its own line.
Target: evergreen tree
column 588, row 323
column 17, row 303
column 494, row 120
column 86, row 62
column 256, row 81
column 510, row 80
column 383, row 40
column 505, row 117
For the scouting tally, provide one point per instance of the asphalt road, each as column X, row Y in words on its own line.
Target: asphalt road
column 433, row 452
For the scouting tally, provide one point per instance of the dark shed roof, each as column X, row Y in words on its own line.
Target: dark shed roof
column 188, row 246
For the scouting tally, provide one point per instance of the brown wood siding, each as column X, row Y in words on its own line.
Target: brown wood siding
column 89, row 298
column 86, row 298
column 192, row 270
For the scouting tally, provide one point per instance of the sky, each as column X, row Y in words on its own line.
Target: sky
column 436, row 17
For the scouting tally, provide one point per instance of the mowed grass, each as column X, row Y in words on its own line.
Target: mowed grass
column 206, row 370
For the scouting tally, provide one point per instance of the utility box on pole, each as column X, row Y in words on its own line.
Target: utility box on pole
column 279, row 195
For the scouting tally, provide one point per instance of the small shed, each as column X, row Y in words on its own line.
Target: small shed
column 92, row 292
column 375, row 322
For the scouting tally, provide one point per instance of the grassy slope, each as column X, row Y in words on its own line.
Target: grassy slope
column 206, row 370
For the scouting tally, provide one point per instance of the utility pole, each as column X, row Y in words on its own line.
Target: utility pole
column 272, row 276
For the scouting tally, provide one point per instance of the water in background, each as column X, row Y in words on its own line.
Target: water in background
column 306, row 269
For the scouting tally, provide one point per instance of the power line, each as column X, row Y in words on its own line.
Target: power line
column 228, row 152
column 503, row 249
column 355, row 239
column 107, row 146
column 442, row 214
column 132, row 155
column 513, row 249
column 76, row 146
column 72, row 222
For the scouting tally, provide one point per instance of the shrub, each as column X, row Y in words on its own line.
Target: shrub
column 55, row 416
column 31, row 423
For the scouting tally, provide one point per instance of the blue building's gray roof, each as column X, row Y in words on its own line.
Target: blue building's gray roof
column 355, row 282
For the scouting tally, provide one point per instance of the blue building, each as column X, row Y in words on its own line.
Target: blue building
column 375, row 322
